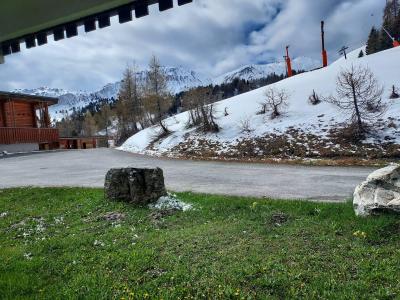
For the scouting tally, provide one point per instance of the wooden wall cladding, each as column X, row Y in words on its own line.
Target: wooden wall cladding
column 23, row 114
column 2, row 115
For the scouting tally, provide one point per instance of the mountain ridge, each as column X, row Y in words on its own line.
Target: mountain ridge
column 180, row 79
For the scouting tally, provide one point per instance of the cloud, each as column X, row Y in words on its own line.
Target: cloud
column 208, row 36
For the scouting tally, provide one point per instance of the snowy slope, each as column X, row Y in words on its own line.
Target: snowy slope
column 254, row 72
column 299, row 114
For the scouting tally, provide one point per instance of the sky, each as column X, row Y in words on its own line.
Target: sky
column 211, row 37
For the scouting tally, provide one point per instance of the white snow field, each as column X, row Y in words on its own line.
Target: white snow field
column 299, row 114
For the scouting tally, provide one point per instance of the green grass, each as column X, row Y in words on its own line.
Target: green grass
column 227, row 248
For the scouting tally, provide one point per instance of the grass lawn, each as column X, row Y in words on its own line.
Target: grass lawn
column 55, row 244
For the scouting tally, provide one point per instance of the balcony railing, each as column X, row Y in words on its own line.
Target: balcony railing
column 16, row 135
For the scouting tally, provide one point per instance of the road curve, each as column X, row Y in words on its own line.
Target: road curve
column 87, row 168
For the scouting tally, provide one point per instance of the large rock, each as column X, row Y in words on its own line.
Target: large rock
column 132, row 185
column 380, row 192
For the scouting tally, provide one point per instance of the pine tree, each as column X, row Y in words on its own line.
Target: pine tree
column 390, row 18
column 373, row 42
column 361, row 54
column 396, row 31
column 385, row 42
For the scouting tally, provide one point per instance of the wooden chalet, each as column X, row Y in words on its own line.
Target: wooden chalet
column 25, row 123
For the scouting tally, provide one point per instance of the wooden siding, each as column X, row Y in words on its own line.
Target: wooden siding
column 2, row 115
column 79, row 143
column 9, row 135
column 16, row 113
column 20, row 114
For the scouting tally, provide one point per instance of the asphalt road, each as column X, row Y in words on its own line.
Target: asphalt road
column 87, row 168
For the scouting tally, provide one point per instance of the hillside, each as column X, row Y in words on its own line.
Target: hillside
column 304, row 131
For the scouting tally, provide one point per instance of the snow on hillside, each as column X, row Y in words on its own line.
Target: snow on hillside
column 254, row 72
column 179, row 79
column 311, row 123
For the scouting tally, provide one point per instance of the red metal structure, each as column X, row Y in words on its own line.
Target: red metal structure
column 288, row 63
column 324, row 53
column 25, row 119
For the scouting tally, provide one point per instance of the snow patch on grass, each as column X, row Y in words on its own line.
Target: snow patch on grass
column 171, row 202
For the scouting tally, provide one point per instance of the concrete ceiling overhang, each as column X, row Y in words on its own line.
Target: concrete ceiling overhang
column 33, row 21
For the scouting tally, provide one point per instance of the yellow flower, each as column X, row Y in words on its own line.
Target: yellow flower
column 359, row 233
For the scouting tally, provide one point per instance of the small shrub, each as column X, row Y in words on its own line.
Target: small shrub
column 395, row 93
column 314, row 99
column 276, row 100
column 245, row 126
column 226, row 112
column 263, row 109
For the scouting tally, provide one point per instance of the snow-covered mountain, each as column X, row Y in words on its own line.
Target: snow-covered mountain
column 179, row 79
column 254, row 72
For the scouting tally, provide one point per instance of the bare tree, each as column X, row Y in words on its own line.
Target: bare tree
column 103, row 117
column 199, row 104
column 89, row 125
column 129, row 108
column 191, row 102
column 359, row 95
column 275, row 101
column 157, row 97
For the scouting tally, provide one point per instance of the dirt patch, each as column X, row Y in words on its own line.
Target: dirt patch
column 278, row 219
column 157, row 217
column 113, row 216
column 294, row 146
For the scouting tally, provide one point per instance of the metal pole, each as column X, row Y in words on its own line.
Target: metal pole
column 324, row 53
column 289, row 63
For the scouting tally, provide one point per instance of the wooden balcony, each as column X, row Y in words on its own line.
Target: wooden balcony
column 17, row 135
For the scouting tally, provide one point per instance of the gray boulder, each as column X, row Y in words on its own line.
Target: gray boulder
column 380, row 192
column 137, row 186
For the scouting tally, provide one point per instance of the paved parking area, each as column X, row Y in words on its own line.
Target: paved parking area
column 87, row 168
